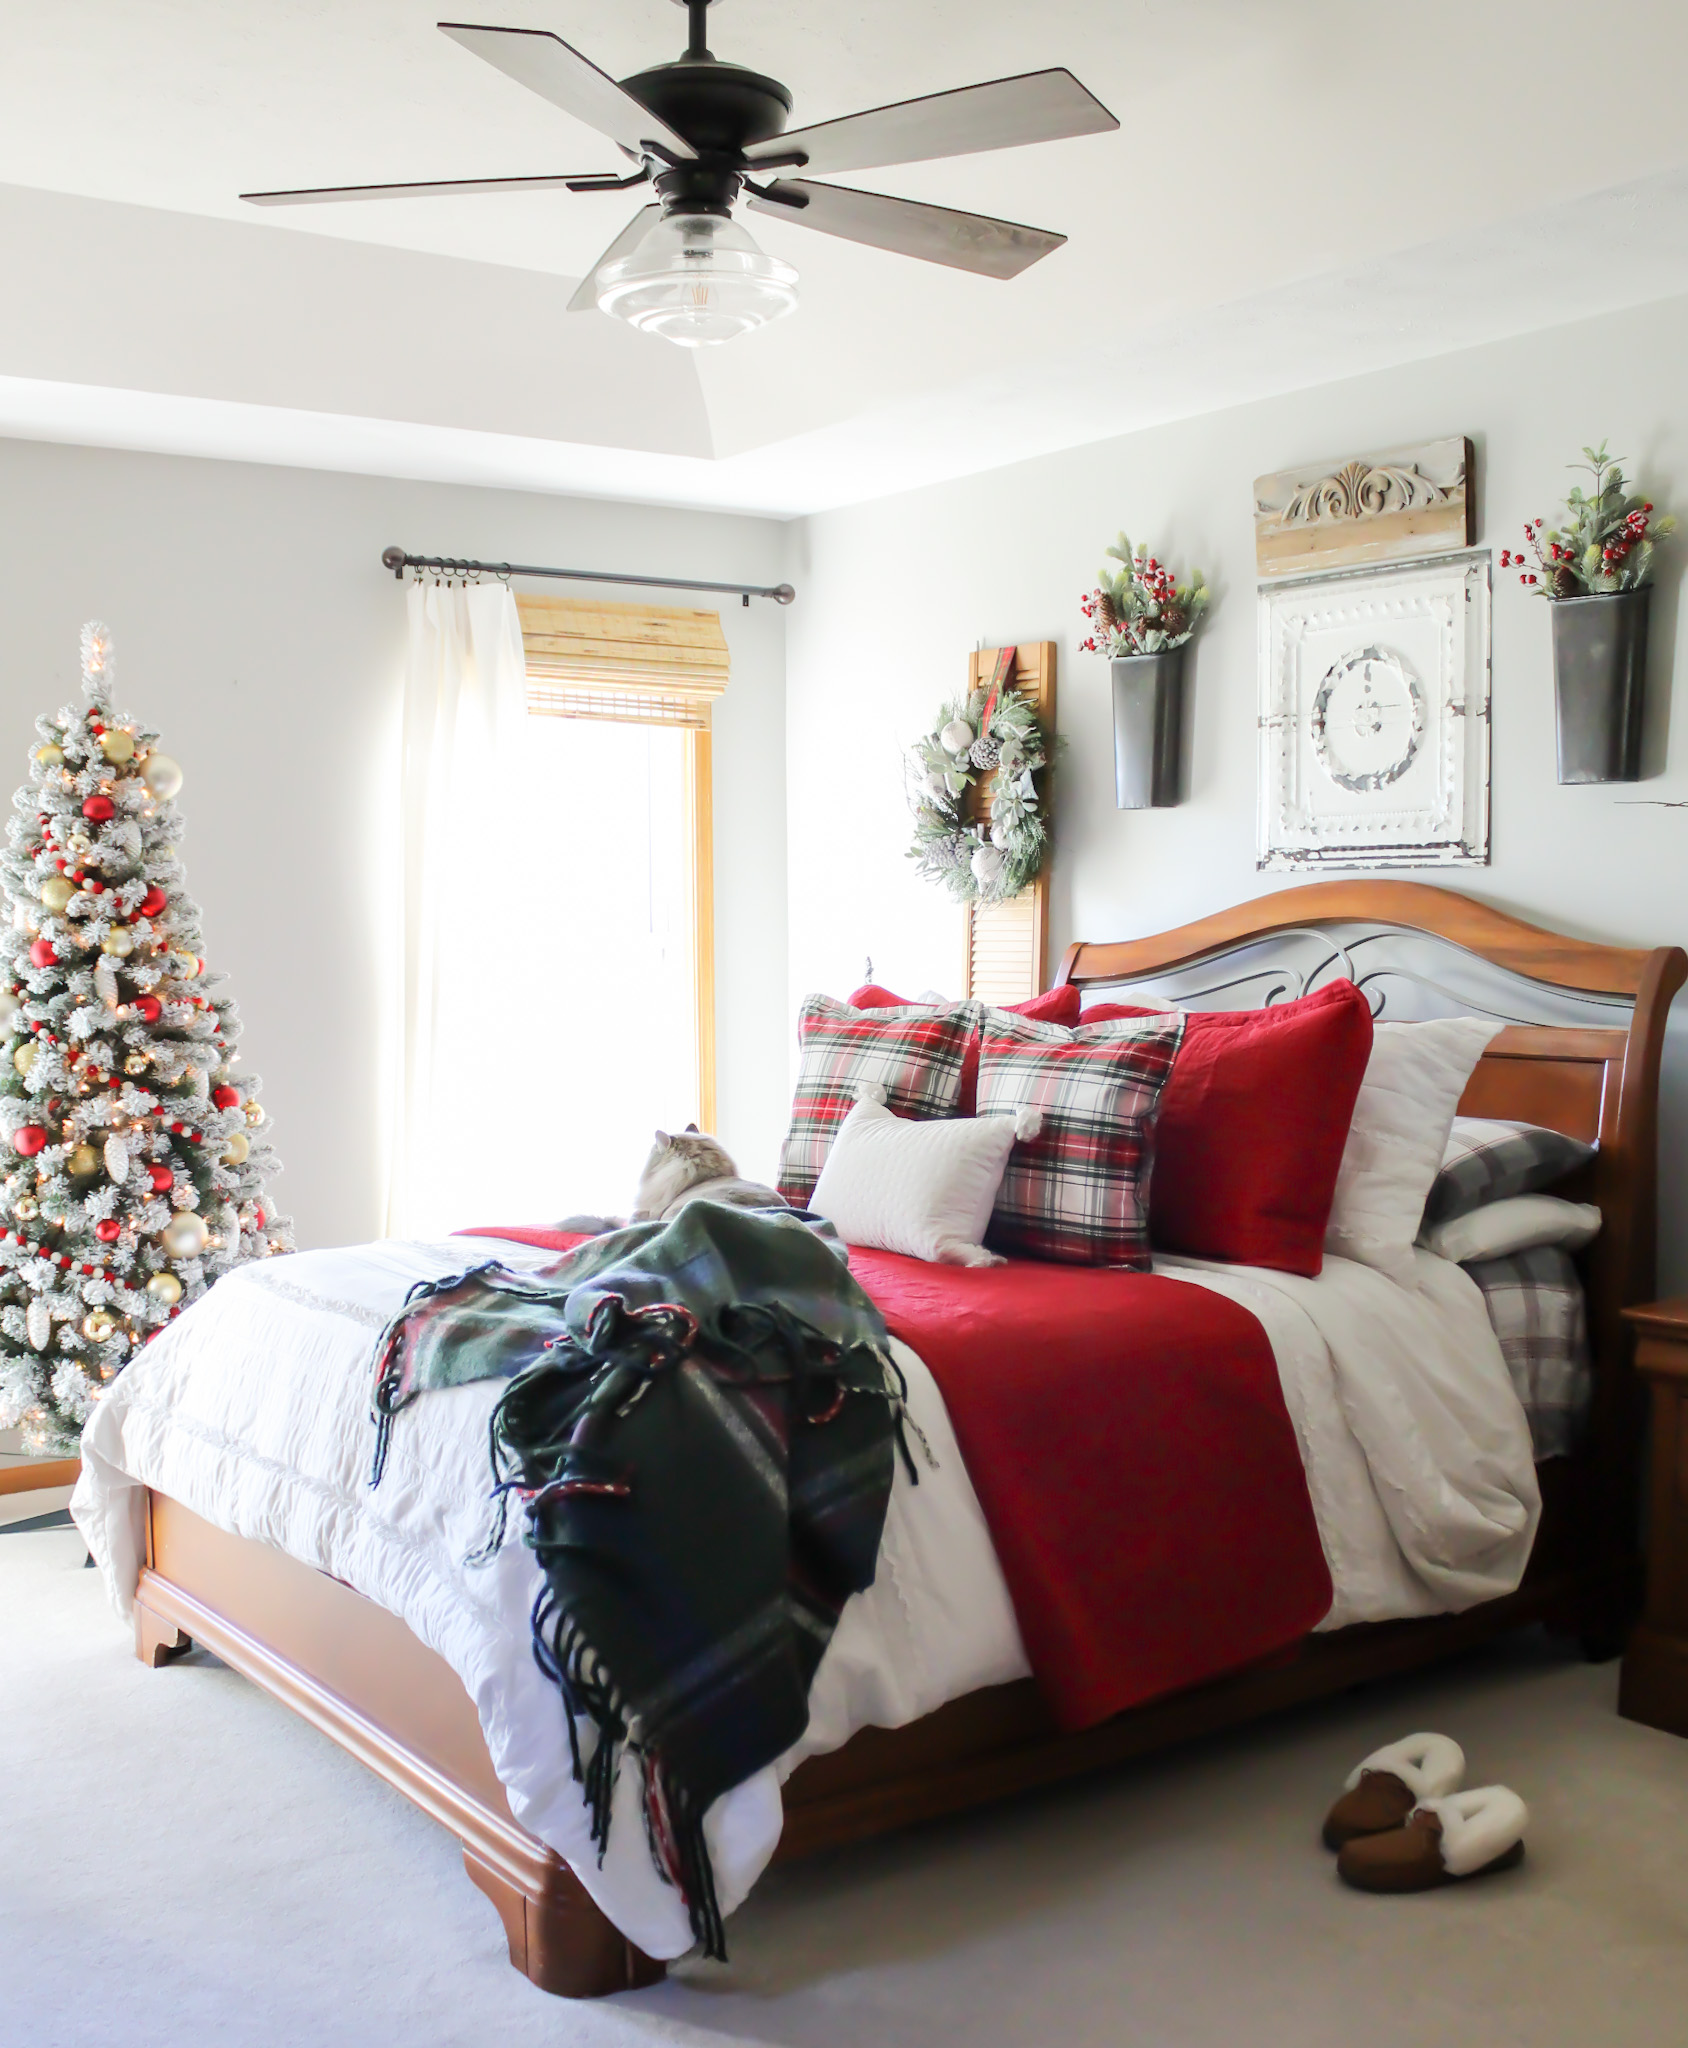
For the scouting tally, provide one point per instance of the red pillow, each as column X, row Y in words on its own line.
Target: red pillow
column 1054, row 1006
column 1252, row 1127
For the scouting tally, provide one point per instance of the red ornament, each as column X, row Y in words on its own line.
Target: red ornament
column 152, row 902
column 99, row 808
column 148, row 1008
column 41, row 954
column 163, row 1180
column 258, row 1218
column 28, row 1139
column 226, row 1097
column 108, row 1230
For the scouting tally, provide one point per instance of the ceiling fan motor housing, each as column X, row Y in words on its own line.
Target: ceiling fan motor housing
column 721, row 109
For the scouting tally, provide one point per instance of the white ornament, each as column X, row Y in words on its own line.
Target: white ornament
column 117, row 1160
column 162, row 776
column 9, row 1008
column 38, row 1321
column 988, row 863
column 105, row 979
column 185, row 1235
column 956, row 737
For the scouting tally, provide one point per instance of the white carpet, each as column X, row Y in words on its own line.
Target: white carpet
column 182, row 1861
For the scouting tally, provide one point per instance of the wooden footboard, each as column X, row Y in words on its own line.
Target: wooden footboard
column 358, row 1673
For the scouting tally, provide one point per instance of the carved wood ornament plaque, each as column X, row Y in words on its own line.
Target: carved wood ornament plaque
column 1402, row 503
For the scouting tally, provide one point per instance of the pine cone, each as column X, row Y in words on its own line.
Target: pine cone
column 1105, row 611
column 984, row 752
column 1565, row 583
column 1174, row 619
column 952, row 853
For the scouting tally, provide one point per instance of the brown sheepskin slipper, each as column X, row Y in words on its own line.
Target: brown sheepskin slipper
column 1380, row 1792
column 1443, row 1841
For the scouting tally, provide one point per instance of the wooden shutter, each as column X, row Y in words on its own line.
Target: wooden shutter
column 1006, row 943
column 633, row 663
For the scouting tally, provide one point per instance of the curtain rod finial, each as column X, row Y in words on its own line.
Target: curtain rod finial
column 782, row 593
column 394, row 559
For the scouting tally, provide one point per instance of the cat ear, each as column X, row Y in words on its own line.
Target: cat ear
column 663, row 1138
column 693, row 1131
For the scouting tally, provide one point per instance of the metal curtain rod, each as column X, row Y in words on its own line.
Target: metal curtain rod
column 398, row 561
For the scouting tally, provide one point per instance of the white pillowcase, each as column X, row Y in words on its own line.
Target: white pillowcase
column 1518, row 1223
column 924, row 1189
column 1414, row 1080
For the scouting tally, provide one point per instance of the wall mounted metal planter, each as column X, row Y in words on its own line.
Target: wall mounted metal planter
column 1600, row 683
column 1148, row 728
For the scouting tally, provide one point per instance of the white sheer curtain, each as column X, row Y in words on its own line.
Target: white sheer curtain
column 465, row 705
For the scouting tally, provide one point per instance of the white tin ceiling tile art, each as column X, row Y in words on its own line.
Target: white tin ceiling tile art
column 1374, row 717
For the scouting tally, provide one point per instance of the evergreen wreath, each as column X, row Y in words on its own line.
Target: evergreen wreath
column 992, row 731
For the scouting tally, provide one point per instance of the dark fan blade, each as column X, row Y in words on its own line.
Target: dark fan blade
column 1040, row 106
column 585, row 298
column 965, row 241
column 545, row 64
column 444, row 185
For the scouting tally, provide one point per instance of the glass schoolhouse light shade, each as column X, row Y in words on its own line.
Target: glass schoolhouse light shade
column 697, row 279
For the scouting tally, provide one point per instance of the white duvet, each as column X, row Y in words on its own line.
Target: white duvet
column 253, row 1411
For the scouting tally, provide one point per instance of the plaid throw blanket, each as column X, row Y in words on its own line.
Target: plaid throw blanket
column 700, row 1424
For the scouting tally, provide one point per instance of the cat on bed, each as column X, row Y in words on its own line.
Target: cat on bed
column 684, row 1166
column 690, row 1166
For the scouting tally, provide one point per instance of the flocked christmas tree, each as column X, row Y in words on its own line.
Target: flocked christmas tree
column 134, row 1170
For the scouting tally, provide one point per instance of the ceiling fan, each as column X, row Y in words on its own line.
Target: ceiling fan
column 701, row 131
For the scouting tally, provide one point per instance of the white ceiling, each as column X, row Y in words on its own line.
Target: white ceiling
column 1298, row 191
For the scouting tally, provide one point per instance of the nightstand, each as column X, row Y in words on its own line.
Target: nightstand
column 1654, row 1685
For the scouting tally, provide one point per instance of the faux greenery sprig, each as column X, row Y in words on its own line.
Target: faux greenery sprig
column 1142, row 608
column 1605, row 545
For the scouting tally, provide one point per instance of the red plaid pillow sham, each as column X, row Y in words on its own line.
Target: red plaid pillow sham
column 1078, row 1193
column 915, row 1055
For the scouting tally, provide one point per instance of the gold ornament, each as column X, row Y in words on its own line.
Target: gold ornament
column 56, row 893
column 82, row 1161
column 79, row 843
column 26, row 1208
column 165, row 1287
column 136, row 1063
column 117, row 746
column 184, row 1235
column 23, row 1056
column 99, row 1324
column 118, row 943
column 254, row 1114
column 50, row 756
column 188, row 965
column 235, row 1148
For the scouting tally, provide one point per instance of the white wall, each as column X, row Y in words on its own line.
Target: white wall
column 256, row 629
column 895, row 594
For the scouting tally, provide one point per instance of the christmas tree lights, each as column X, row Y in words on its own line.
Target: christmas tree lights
column 132, row 1160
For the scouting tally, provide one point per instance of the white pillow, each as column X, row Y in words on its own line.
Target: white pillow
column 924, row 1189
column 1517, row 1223
column 1414, row 1079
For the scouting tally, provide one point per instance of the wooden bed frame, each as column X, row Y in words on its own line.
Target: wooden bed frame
column 361, row 1676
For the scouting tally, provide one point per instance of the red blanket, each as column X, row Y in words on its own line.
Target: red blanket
column 1129, row 1444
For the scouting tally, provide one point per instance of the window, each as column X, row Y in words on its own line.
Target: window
column 616, row 969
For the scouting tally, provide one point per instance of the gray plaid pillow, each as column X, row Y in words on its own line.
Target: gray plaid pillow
column 1486, row 1160
column 1535, row 1302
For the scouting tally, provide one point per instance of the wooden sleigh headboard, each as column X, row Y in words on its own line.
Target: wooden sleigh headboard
column 1595, row 1082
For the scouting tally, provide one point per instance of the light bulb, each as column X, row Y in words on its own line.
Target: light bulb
column 696, row 279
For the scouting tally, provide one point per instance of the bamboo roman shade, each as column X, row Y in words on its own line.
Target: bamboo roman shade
column 635, row 664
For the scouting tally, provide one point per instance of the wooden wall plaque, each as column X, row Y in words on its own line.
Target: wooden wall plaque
column 1006, row 944
column 1369, row 508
